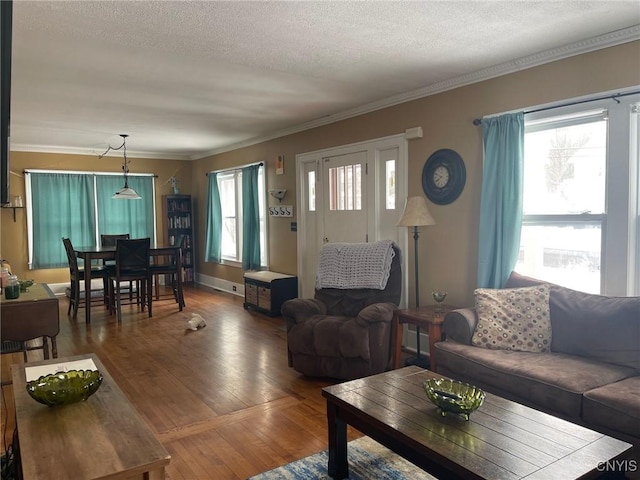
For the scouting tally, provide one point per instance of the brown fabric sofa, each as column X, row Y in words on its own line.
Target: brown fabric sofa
column 343, row 334
column 591, row 375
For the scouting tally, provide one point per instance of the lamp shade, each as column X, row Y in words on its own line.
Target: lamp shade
column 416, row 213
column 127, row 193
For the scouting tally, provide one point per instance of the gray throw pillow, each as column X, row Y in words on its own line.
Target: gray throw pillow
column 513, row 319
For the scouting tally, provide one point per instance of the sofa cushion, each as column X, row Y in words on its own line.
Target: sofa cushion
column 553, row 381
column 513, row 319
column 605, row 328
column 599, row 327
column 615, row 406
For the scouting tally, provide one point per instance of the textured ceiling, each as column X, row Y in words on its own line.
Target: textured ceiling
column 185, row 79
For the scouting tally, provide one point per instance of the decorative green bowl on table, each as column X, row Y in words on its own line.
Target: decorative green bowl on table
column 451, row 396
column 25, row 284
column 62, row 388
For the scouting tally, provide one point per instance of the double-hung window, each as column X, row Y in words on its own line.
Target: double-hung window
column 230, row 188
column 78, row 205
column 580, row 205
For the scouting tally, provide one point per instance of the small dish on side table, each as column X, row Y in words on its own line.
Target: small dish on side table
column 25, row 284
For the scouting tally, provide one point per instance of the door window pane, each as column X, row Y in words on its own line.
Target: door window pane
column 345, row 187
column 390, row 184
column 311, row 179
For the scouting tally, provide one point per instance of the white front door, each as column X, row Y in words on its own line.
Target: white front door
column 344, row 192
column 352, row 194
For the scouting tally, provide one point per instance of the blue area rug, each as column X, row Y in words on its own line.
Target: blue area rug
column 368, row 460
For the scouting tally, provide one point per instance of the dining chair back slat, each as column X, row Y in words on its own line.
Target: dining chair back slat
column 132, row 263
column 109, row 240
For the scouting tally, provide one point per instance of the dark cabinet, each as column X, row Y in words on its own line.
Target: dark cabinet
column 266, row 291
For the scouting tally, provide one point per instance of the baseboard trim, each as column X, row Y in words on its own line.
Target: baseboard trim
column 220, row 284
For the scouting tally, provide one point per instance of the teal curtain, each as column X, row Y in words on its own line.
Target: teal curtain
column 62, row 206
column 213, row 233
column 115, row 216
column 250, row 219
column 501, row 200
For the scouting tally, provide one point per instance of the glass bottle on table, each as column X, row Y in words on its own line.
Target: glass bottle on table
column 12, row 288
column 4, row 277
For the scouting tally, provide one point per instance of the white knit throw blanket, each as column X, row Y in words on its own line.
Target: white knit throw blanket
column 355, row 265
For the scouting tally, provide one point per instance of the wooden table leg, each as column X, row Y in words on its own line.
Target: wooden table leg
column 45, row 348
column 87, row 288
column 435, row 335
column 338, row 466
column 397, row 347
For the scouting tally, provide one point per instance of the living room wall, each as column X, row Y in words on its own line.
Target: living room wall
column 448, row 255
column 13, row 237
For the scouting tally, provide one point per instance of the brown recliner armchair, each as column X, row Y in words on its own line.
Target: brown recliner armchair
column 344, row 333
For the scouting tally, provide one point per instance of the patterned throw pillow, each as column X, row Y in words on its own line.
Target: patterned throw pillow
column 513, row 319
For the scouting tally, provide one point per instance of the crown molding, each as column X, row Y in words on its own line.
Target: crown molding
column 600, row 42
column 17, row 147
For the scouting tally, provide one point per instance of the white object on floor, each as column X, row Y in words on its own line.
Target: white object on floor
column 196, row 322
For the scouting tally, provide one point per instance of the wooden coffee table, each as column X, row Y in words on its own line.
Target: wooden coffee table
column 102, row 438
column 502, row 439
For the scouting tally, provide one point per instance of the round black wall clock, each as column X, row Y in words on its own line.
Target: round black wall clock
column 443, row 176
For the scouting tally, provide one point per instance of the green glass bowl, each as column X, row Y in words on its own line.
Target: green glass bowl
column 25, row 284
column 451, row 396
column 65, row 387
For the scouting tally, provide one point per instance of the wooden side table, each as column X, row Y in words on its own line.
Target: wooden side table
column 422, row 317
column 33, row 314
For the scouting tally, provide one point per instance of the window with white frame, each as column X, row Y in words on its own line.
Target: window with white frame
column 230, row 188
column 580, row 206
column 79, row 206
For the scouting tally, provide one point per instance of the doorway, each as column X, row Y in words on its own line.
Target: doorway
column 353, row 193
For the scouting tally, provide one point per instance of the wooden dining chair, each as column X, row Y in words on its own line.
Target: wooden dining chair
column 77, row 276
column 109, row 240
column 170, row 266
column 131, row 264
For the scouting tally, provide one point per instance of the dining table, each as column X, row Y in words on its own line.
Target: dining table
column 97, row 252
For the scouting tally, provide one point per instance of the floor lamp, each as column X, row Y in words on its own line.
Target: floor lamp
column 416, row 214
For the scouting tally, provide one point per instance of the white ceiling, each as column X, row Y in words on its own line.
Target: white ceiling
column 186, row 79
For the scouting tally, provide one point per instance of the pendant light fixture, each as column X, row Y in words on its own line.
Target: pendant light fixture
column 125, row 192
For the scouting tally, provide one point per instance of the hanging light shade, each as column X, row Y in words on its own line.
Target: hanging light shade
column 125, row 192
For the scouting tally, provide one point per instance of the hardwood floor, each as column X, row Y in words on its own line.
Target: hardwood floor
column 222, row 399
